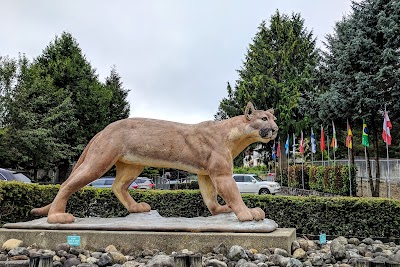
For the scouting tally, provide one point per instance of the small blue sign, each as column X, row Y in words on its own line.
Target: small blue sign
column 74, row 240
column 322, row 238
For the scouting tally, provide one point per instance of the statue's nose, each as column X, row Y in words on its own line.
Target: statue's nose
column 275, row 129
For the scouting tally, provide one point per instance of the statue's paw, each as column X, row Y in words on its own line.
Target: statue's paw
column 60, row 218
column 256, row 214
column 139, row 207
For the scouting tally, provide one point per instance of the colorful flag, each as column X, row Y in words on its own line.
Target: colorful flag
column 278, row 150
column 365, row 137
column 322, row 142
column 349, row 138
column 313, row 142
column 387, row 126
column 273, row 152
column 301, row 143
column 294, row 145
column 287, row 146
column 334, row 144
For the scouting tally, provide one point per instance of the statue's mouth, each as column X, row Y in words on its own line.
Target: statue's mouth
column 268, row 133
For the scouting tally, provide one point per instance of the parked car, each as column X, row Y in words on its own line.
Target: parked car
column 12, row 175
column 251, row 183
column 107, row 182
column 145, row 183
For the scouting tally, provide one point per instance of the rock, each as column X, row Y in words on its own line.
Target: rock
column 12, row 243
column 117, row 257
column 3, row 257
column 295, row 245
column 341, row 239
column 354, row 241
column 299, row 254
column 147, row 252
column 71, row 262
column 18, row 251
column 161, row 261
column 281, row 252
column 75, row 251
column 260, row 257
column 63, row 246
column 84, row 265
column 317, row 260
column 367, row 241
column 244, row 263
column 56, row 258
column 131, row 264
column 61, row 253
column 307, row 263
column 105, row 260
column 236, row 253
column 92, row 260
column 111, row 248
column 82, row 258
column 312, row 245
column 338, row 249
column 221, row 249
column 57, row 264
column 352, row 254
column 303, row 244
column 97, row 255
column 216, row 263
column 294, row 263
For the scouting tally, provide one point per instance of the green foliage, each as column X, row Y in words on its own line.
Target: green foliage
column 259, row 170
column 329, row 179
column 278, row 69
column 54, row 105
column 309, row 215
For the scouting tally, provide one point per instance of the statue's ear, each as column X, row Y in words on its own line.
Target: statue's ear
column 271, row 110
column 248, row 113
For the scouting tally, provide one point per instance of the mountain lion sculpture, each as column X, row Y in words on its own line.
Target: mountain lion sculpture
column 207, row 149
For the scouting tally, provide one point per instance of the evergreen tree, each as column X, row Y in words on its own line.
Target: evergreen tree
column 119, row 107
column 278, row 69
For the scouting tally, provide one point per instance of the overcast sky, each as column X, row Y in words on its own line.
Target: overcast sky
column 176, row 57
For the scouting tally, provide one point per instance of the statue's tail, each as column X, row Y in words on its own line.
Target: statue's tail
column 45, row 210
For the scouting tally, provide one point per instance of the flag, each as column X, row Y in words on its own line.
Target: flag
column 349, row 138
column 273, row 152
column 313, row 142
column 287, row 146
column 387, row 126
column 301, row 143
column 294, row 145
column 365, row 137
column 334, row 140
column 278, row 149
column 322, row 143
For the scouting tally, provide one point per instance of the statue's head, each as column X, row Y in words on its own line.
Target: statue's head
column 261, row 123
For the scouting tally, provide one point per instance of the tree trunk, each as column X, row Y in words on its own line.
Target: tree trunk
column 375, row 192
column 35, row 171
column 63, row 169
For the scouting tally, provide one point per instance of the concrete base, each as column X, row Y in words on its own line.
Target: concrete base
column 129, row 241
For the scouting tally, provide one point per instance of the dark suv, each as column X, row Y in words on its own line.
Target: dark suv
column 11, row 175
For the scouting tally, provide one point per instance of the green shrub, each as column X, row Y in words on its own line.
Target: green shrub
column 346, row 216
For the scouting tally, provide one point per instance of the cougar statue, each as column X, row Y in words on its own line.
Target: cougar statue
column 207, row 149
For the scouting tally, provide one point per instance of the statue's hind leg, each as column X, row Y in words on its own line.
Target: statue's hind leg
column 126, row 174
column 209, row 194
column 91, row 169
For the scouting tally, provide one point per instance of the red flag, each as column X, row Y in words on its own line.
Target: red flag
column 301, row 143
column 322, row 142
column 349, row 138
column 278, row 149
column 387, row 126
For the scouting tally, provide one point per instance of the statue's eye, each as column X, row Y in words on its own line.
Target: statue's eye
column 264, row 118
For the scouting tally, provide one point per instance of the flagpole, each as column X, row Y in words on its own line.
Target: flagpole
column 387, row 162
column 366, row 168
column 302, row 170
column 275, row 159
column 294, row 155
column 327, row 143
column 348, row 156
column 280, row 167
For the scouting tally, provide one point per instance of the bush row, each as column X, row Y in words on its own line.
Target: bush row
column 329, row 179
column 309, row 215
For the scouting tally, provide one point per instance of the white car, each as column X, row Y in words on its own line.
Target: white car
column 251, row 183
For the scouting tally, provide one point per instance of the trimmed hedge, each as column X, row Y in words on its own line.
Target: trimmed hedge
column 309, row 215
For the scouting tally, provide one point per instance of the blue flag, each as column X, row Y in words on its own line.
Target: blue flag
column 313, row 142
column 287, row 146
column 273, row 152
